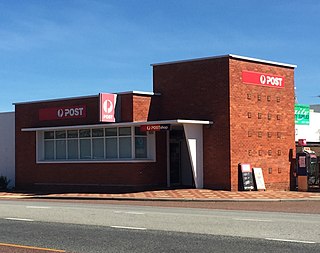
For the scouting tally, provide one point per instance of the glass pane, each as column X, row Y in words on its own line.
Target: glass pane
column 141, row 147
column 61, row 149
column 138, row 132
column 85, row 149
column 85, row 133
column 123, row 131
column 97, row 148
column 60, row 134
column 72, row 149
column 111, row 131
column 125, row 147
column 49, row 135
column 48, row 150
column 97, row 132
column 72, row 133
column 111, row 148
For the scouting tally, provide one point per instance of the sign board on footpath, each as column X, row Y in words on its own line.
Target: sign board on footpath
column 258, row 176
column 247, row 179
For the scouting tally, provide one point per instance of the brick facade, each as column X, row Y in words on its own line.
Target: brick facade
column 251, row 124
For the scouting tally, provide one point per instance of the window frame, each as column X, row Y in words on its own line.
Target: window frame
column 150, row 143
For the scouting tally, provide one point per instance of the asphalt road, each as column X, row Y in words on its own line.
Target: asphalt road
column 86, row 228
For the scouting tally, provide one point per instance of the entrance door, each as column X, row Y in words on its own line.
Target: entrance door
column 175, row 163
column 180, row 165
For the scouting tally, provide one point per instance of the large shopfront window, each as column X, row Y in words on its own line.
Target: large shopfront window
column 96, row 144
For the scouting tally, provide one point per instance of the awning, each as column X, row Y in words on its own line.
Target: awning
column 122, row 124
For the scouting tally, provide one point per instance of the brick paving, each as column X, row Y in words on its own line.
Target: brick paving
column 178, row 194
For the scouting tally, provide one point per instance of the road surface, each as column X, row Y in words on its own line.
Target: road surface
column 86, row 228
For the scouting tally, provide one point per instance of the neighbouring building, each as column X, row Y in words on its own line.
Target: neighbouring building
column 7, row 147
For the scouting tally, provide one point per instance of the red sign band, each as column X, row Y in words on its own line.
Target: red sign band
column 159, row 127
column 64, row 112
column 262, row 79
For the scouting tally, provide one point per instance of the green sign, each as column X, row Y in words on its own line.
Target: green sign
column 302, row 114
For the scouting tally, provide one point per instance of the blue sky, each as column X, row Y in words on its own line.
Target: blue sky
column 65, row 48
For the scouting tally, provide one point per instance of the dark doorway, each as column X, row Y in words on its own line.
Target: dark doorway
column 180, row 165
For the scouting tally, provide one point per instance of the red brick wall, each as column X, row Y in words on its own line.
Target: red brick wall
column 200, row 90
column 264, row 142
column 141, row 106
column 29, row 173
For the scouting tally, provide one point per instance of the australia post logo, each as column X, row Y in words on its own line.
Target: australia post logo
column 262, row 79
column 107, row 107
column 64, row 112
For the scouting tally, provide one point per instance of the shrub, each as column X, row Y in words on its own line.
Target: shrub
column 4, row 182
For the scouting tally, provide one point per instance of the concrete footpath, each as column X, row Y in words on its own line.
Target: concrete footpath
column 175, row 195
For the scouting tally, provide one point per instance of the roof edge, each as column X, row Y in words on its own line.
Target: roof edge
column 54, row 100
column 228, row 56
column 262, row 61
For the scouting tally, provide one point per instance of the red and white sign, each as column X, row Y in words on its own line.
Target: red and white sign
column 245, row 167
column 64, row 112
column 107, row 107
column 262, row 79
column 302, row 142
column 159, row 127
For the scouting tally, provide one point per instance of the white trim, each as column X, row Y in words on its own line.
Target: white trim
column 194, row 139
column 135, row 92
column 263, row 61
column 136, row 123
column 55, row 100
column 225, row 56
column 147, row 93
column 97, row 161
column 168, row 159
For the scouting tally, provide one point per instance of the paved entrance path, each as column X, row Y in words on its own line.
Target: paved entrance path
column 176, row 195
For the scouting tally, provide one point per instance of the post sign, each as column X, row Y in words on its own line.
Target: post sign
column 247, row 179
column 263, row 79
column 63, row 112
column 258, row 176
column 302, row 114
column 158, row 127
column 302, row 142
column 107, row 107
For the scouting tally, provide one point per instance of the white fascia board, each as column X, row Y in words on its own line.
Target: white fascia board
column 136, row 123
column 262, row 61
column 134, row 92
column 55, row 100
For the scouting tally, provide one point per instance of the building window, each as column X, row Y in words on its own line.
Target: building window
column 101, row 144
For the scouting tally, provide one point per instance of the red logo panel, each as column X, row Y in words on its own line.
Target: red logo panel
column 262, row 79
column 64, row 112
column 107, row 107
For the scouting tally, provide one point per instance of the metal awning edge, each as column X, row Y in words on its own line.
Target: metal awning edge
column 136, row 123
